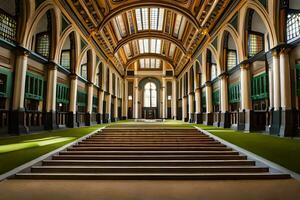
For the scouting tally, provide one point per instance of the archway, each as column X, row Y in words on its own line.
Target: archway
column 150, row 101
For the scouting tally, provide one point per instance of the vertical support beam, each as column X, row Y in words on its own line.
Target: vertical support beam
column 50, row 115
column 136, row 99
column 209, row 104
column 287, row 127
column 125, row 100
column 164, row 101
column 17, row 120
column 174, row 100
column 276, row 114
column 73, row 101
column 184, row 109
column 198, row 117
column 245, row 114
column 100, row 106
column 108, row 108
column 225, row 120
column 191, row 107
column 88, row 114
column 116, row 109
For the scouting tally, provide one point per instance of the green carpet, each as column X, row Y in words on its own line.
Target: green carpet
column 283, row 151
column 15, row 151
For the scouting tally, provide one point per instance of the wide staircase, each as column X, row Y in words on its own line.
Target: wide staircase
column 139, row 152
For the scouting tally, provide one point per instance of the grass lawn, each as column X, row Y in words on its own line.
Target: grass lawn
column 283, row 151
column 15, row 151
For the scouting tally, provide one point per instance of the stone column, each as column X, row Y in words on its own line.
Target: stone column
column 244, row 122
column 225, row 118
column 89, row 109
column 174, row 99
column 164, row 94
column 50, row 115
column 100, row 106
column 287, row 127
column 209, row 104
column 191, row 107
column 125, row 100
column 108, row 108
column 17, row 119
column 73, row 101
column 136, row 99
column 184, row 110
column 198, row 117
column 116, row 109
column 276, row 114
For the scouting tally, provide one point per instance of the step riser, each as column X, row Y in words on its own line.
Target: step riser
column 151, row 170
column 149, row 158
column 158, row 142
column 154, row 177
column 148, row 148
column 161, row 163
column 147, row 153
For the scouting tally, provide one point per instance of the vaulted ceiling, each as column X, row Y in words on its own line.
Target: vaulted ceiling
column 145, row 32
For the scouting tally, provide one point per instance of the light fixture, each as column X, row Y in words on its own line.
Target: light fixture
column 129, row 97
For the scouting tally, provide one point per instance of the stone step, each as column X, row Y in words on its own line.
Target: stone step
column 151, row 169
column 148, row 145
column 149, row 137
column 152, row 142
column 153, row 176
column 149, row 153
column 149, row 129
column 149, row 157
column 159, row 148
column 91, row 139
column 149, row 162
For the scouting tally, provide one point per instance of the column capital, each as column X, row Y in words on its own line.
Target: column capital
column 223, row 75
column 208, row 83
column 51, row 65
column 73, row 76
column 89, row 83
column 285, row 51
column 245, row 66
column 275, row 53
column 21, row 51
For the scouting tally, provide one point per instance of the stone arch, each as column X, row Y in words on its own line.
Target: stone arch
column 228, row 29
column 214, row 56
column 263, row 14
column 35, row 19
column 80, row 57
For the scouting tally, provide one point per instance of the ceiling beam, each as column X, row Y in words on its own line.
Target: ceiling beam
column 150, row 34
column 149, row 55
column 129, row 6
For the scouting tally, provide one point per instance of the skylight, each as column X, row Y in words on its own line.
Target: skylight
column 121, row 26
column 150, row 45
column 150, row 63
column 154, row 23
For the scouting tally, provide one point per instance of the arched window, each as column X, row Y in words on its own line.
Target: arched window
column 150, row 95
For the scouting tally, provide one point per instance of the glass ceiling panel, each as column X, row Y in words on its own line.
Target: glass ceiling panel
column 177, row 25
column 150, row 45
column 127, row 50
column 172, row 50
column 120, row 25
column 150, row 63
column 156, row 18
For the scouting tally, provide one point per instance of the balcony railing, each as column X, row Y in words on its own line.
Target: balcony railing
column 8, row 27
column 234, row 117
column 33, row 118
column 61, row 118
